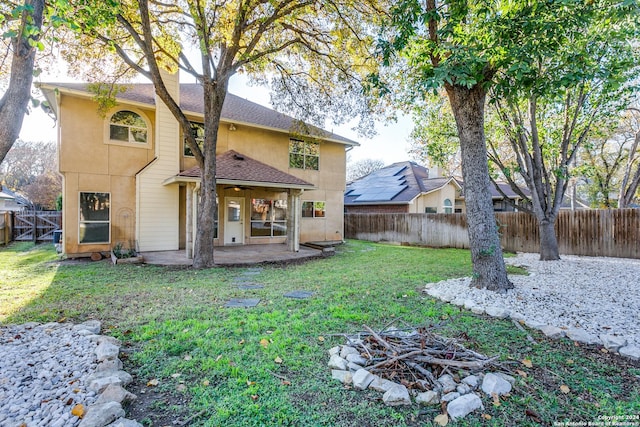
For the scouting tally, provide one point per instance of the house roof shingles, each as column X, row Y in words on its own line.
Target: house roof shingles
column 235, row 109
column 232, row 166
column 413, row 178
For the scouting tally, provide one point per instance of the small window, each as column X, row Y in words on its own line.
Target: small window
column 304, row 155
column 94, row 218
column 128, row 126
column 314, row 209
column 448, row 207
column 430, row 210
column 268, row 218
column 197, row 129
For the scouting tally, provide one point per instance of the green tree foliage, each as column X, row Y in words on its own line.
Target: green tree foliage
column 312, row 53
column 550, row 104
column 608, row 165
column 544, row 59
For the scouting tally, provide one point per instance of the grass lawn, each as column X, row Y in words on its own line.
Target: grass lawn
column 217, row 366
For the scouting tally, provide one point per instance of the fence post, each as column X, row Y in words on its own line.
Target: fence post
column 35, row 226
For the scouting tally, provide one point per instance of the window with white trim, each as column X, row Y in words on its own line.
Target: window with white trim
column 448, row 207
column 314, row 209
column 128, row 126
column 268, row 218
column 94, row 224
column 304, row 154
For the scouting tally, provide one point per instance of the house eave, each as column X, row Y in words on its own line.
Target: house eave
column 191, row 179
column 52, row 88
column 378, row 203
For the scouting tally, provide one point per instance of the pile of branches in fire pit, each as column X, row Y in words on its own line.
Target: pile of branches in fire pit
column 416, row 357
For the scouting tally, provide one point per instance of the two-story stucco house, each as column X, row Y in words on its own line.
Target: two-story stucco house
column 128, row 177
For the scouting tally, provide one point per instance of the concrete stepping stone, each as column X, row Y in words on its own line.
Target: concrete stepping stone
column 299, row 294
column 249, row 286
column 242, row 302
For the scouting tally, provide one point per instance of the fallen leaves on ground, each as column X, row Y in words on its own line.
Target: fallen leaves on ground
column 533, row 415
column 78, row 410
column 264, row 343
column 565, row 389
column 441, row 420
column 496, row 399
column 278, row 360
column 152, row 383
column 527, row 363
column 486, row 416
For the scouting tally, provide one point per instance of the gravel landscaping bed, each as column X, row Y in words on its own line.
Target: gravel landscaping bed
column 588, row 299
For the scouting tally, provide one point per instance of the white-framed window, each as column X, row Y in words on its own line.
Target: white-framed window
column 130, row 127
column 448, row 206
column 430, row 210
column 95, row 217
column 197, row 129
column 314, row 209
column 304, row 154
column 268, row 218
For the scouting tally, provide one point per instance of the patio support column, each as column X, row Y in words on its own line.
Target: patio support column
column 189, row 221
column 293, row 220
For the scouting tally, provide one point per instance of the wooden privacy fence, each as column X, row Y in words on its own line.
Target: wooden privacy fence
column 36, row 226
column 601, row 232
column 5, row 228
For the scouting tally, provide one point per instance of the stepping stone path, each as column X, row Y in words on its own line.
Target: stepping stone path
column 242, row 302
column 250, row 286
column 299, row 294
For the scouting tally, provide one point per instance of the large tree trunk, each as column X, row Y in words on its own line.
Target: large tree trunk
column 489, row 270
column 215, row 93
column 13, row 105
column 548, row 241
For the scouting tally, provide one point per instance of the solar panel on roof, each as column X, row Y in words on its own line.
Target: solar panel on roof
column 380, row 196
column 382, row 185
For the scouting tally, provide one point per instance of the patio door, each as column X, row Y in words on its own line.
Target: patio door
column 234, row 221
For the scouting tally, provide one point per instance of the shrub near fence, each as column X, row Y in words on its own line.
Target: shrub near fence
column 601, row 232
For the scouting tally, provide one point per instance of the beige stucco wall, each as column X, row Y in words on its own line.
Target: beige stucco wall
column 435, row 199
column 89, row 162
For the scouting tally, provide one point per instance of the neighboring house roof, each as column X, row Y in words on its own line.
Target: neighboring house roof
column 18, row 198
column 235, row 109
column 237, row 169
column 505, row 187
column 399, row 183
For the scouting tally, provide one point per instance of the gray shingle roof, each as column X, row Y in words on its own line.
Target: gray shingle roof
column 235, row 109
column 233, row 166
column 398, row 183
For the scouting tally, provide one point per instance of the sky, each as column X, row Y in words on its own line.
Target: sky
column 389, row 145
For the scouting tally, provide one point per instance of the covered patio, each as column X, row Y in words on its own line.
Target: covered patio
column 244, row 255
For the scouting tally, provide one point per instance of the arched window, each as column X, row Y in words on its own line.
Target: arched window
column 128, row 126
column 448, row 207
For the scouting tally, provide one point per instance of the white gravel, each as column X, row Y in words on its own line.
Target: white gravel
column 42, row 374
column 598, row 295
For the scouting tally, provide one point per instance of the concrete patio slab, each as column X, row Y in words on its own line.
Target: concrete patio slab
column 246, row 255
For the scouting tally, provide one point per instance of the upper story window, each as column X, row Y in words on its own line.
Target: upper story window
column 304, row 154
column 128, row 127
column 197, row 129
